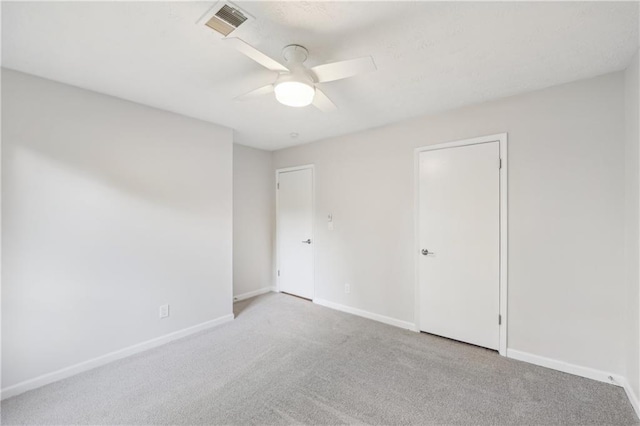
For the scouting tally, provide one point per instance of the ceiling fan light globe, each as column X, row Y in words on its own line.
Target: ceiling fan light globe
column 294, row 93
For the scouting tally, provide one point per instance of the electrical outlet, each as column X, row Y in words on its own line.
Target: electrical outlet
column 347, row 288
column 164, row 311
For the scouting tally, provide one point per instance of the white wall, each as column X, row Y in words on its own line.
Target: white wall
column 632, row 217
column 253, row 180
column 110, row 209
column 566, row 216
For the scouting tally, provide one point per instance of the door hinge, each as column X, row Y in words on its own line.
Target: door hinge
column 500, row 164
column 499, row 319
column 278, row 185
column 278, row 272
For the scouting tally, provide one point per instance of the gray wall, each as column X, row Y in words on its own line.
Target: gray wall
column 110, row 209
column 566, row 216
column 253, row 201
column 632, row 217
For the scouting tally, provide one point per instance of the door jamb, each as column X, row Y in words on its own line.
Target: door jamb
column 313, row 222
column 502, row 139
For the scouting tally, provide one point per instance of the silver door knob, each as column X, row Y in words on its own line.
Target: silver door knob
column 426, row 252
column 308, row 241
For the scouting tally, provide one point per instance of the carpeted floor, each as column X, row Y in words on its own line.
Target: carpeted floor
column 287, row 361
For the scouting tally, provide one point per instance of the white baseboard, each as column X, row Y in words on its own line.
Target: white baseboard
column 63, row 373
column 577, row 370
column 253, row 293
column 635, row 403
column 366, row 314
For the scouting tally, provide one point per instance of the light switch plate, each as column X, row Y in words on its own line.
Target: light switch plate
column 164, row 311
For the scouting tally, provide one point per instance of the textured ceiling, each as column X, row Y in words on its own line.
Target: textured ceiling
column 431, row 56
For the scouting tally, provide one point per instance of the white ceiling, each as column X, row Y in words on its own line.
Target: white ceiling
column 431, row 56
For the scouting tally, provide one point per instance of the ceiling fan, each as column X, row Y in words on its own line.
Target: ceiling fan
column 297, row 85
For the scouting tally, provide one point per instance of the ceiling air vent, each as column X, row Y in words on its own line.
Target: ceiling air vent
column 224, row 18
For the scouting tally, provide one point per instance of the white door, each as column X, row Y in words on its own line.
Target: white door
column 459, row 234
column 295, row 232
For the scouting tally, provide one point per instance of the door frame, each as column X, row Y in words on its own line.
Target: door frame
column 502, row 139
column 313, row 222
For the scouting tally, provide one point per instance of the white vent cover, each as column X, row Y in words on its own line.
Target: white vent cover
column 224, row 17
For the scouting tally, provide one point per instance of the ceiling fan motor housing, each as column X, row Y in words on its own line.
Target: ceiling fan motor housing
column 298, row 74
column 296, row 87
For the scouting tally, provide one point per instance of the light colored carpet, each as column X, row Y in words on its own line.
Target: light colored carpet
column 287, row 361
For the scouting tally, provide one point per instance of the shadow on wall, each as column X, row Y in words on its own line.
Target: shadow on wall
column 129, row 149
column 240, row 306
column 110, row 210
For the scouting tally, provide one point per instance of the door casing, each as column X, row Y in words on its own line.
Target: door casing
column 313, row 222
column 502, row 139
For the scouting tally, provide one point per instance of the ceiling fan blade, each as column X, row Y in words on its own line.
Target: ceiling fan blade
column 343, row 69
column 264, row 90
column 253, row 53
column 322, row 102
